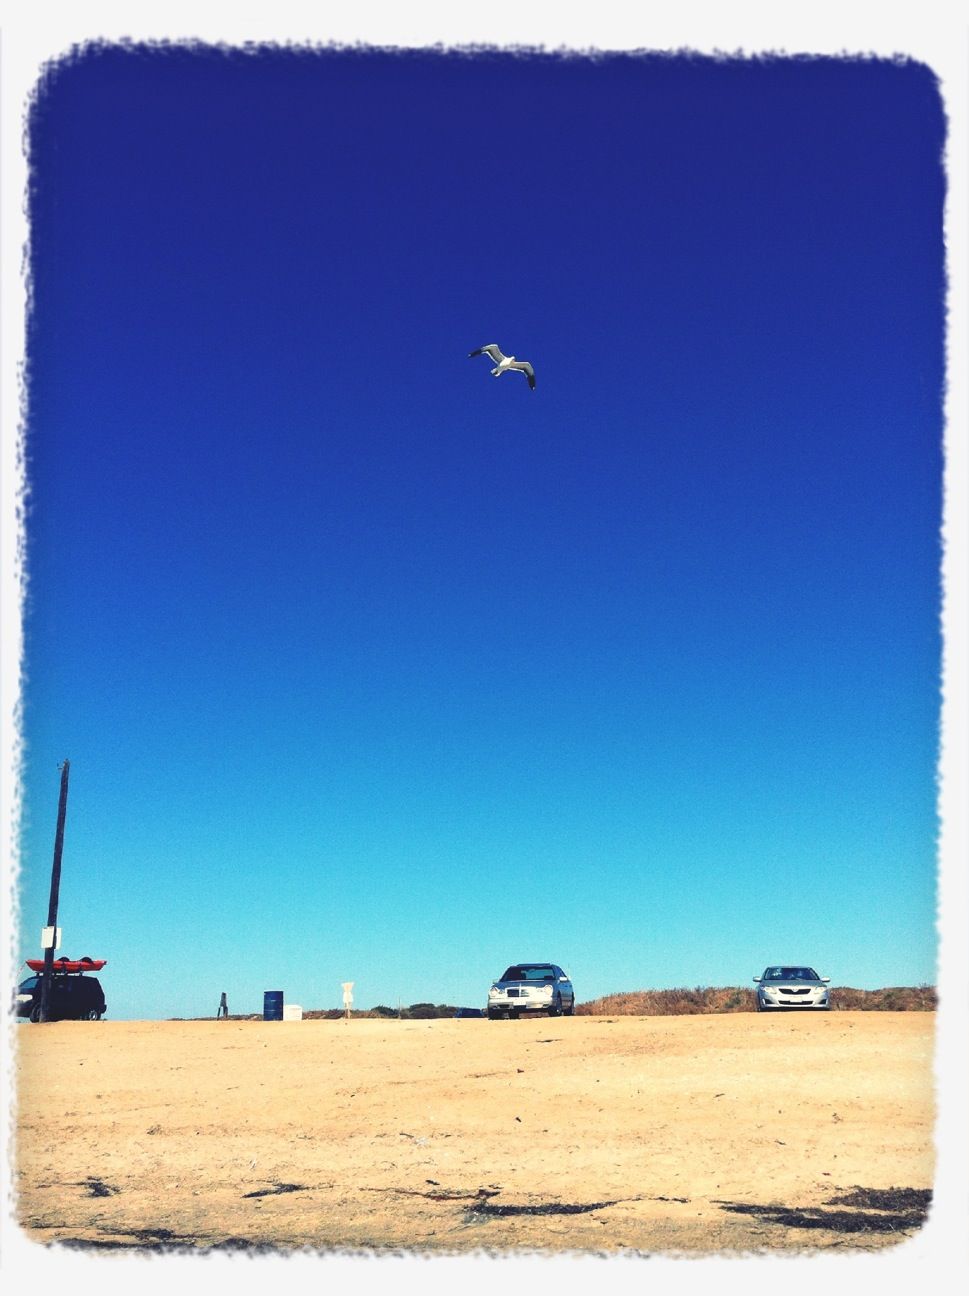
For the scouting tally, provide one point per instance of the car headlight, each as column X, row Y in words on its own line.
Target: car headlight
column 493, row 992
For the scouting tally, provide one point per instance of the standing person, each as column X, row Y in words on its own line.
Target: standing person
column 223, row 1007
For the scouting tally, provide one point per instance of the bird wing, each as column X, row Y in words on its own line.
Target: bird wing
column 491, row 349
column 526, row 369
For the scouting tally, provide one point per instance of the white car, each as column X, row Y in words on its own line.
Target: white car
column 791, row 987
column 530, row 988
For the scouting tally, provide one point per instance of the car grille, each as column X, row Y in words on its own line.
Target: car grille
column 785, row 991
column 513, row 993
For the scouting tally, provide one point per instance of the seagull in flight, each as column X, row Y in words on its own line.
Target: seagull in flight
column 503, row 363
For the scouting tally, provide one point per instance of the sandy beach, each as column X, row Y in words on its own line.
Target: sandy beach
column 738, row 1133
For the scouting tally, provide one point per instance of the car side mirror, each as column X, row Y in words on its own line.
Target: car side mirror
column 563, row 978
column 755, row 978
column 825, row 980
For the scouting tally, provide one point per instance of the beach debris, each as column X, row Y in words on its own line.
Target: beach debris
column 275, row 1189
column 98, row 1188
column 886, row 1199
column 544, row 1208
column 446, row 1194
column 889, row 1210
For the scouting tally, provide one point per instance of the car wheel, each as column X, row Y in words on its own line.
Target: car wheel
column 35, row 1013
column 556, row 1007
column 94, row 1015
column 570, row 1011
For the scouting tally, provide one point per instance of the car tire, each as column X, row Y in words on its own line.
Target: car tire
column 555, row 1008
column 570, row 1011
column 93, row 1015
column 35, row 1013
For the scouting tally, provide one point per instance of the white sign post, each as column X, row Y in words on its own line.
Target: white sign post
column 50, row 938
column 347, row 998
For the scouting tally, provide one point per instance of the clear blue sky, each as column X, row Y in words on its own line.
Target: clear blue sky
column 370, row 667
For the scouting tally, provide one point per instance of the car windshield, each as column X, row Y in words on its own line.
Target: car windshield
column 790, row 974
column 529, row 972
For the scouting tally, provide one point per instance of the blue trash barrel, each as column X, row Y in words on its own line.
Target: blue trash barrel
column 272, row 1005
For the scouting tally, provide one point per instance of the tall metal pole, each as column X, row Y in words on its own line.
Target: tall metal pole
column 55, row 886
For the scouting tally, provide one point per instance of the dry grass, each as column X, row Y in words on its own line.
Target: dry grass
column 727, row 999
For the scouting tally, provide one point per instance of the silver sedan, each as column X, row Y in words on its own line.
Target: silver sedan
column 791, row 987
column 531, row 988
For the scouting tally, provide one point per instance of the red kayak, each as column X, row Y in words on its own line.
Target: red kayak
column 68, row 965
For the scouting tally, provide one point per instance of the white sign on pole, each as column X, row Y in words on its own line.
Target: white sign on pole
column 50, row 938
column 347, row 996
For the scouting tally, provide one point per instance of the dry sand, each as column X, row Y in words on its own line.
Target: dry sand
column 658, row 1135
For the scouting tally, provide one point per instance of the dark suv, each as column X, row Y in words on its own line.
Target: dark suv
column 73, row 997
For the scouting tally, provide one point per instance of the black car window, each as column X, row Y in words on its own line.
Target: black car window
column 530, row 972
column 790, row 974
